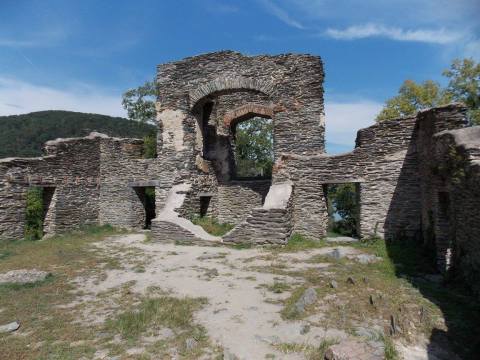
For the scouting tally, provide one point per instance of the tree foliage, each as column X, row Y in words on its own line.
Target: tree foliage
column 254, row 148
column 140, row 102
column 413, row 97
column 464, row 86
column 343, row 202
column 140, row 106
column 150, row 145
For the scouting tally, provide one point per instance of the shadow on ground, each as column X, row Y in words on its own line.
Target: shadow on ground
column 460, row 308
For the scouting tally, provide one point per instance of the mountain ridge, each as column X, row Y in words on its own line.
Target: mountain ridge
column 23, row 135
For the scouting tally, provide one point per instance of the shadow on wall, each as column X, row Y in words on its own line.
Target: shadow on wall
column 414, row 256
column 404, row 212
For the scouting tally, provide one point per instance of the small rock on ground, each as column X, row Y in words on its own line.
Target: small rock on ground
column 13, row 326
column 367, row 258
column 308, row 298
column 23, row 276
column 353, row 350
column 304, row 329
column 191, row 344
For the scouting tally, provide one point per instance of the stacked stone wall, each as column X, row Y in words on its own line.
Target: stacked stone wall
column 291, row 83
column 237, row 199
column 385, row 164
column 456, row 221
column 86, row 180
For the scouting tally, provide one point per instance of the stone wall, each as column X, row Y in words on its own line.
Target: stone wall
column 237, row 199
column 86, row 180
column 69, row 171
column 200, row 100
column 384, row 164
column 290, row 84
column 270, row 223
column 456, row 203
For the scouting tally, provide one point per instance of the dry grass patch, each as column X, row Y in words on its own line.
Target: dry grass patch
column 388, row 294
column 47, row 327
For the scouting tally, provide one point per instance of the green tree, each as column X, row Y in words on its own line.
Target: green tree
column 413, row 97
column 140, row 106
column 140, row 102
column 342, row 200
column 464, row 86
column 254, row 148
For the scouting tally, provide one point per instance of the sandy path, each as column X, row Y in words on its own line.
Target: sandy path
column 241, row 315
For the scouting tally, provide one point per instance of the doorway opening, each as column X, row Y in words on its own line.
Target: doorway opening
column 146, row 195
column 36, row 210
column 208, row 131
column 204, row 205
column 343, row 206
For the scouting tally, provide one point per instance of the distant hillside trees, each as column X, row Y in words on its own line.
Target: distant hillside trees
column 24, row 135
column 463, row 86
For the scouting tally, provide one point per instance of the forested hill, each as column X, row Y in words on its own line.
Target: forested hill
column 24, row 135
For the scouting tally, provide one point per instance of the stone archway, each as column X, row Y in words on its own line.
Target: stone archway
column 222, row 84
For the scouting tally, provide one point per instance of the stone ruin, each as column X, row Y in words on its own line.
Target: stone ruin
column 416, row 177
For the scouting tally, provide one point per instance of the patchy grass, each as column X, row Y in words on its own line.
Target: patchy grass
column 5, row 254
column 393, row 287
column 38, row 306
column 212, row 226
column 310, row 352
column 298, row 242
column 278, row 287
column 60, row 327
column 31, row 285
column 151, row 314
column 390, row 351
column 154, row 314
column 289, row 310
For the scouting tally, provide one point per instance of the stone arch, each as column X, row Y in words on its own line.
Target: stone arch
column 229, row 83
column 244, row 111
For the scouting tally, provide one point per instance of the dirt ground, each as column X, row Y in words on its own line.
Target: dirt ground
column 243, row 304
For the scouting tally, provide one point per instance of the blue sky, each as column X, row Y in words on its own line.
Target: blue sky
column 81, row 55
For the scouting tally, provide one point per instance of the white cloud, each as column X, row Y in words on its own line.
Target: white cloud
column 281, row 14
column 344, row 119
column 438, row 36
column 19, row 97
